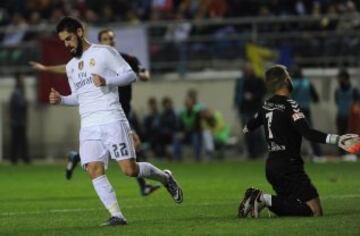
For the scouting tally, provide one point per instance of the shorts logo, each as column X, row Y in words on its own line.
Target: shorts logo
column 81, row 65
column 92, row 62
column 297, row 116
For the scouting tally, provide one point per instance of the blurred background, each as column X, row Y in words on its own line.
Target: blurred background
column 207, row 60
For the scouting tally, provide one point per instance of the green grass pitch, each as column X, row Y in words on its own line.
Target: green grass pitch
column 37, row 200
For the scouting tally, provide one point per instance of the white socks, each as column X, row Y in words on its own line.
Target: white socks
column 265, row 197
column 147, row 170
column 107, row 195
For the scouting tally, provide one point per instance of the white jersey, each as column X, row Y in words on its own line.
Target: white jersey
column 97, row 105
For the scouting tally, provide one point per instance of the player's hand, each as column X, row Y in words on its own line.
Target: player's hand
column 350, row 143
column 37, row 66
column 54, row 97
column 98, row 80
column 137, row 141
column 245, row 130
column 144, row 75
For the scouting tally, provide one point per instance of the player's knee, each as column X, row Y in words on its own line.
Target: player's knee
column 129, row 167
column 131, row 172
column 95, row 171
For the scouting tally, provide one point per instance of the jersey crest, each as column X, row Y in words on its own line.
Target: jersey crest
column 92, row 62
column 81, row 65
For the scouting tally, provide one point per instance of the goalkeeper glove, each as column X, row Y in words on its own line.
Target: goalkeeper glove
column 348, row 142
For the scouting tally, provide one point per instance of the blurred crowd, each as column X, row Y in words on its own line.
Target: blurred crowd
column 185, row 41
column 35, row 12
column 165, row 130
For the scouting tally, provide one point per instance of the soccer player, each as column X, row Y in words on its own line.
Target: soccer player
column 94, row 73
column 106, row 37
column 284, row 125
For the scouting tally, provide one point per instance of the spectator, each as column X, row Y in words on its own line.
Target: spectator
column 191, row 123
column 197, row 137
column 18, row 123
column 177, row 34
column 152, row 126
column 162, row 10
column 169, row 125
column 16, row 30
column 213, row 121
column 249, row 94
column 141, row 8
column 300, row 8
column 345, row 96
column 304, row 93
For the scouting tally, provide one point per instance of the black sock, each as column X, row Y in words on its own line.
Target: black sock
column 75, row 161
column 289, row 207
column 141, row 182
column 77, row 157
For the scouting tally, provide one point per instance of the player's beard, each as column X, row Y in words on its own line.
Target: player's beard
column 79, row 49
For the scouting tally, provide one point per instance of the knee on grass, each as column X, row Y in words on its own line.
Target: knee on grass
column 315, row 206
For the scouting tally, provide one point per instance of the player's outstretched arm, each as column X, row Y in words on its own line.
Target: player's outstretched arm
column 57, row 69
column 348, row 142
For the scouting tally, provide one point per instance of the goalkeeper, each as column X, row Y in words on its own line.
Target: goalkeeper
column 284, row 125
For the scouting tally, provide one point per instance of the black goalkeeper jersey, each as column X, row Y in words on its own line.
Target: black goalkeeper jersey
column 125, row 92
column 284, row 125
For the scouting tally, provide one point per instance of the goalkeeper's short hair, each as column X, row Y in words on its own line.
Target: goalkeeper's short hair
column 275, row 77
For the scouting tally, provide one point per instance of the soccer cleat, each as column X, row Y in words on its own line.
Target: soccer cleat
column 258, row 205
column 73, row 160
column 148, row 189
column 113, row 221
column 245, row 205
column 173, row 188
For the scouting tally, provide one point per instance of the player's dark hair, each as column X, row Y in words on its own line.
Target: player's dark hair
column 275, row 77
column 103, row 32
column 69, row 24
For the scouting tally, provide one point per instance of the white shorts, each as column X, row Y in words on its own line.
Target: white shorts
column 97, row 143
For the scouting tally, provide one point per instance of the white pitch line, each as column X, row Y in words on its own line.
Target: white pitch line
column 69, row 210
